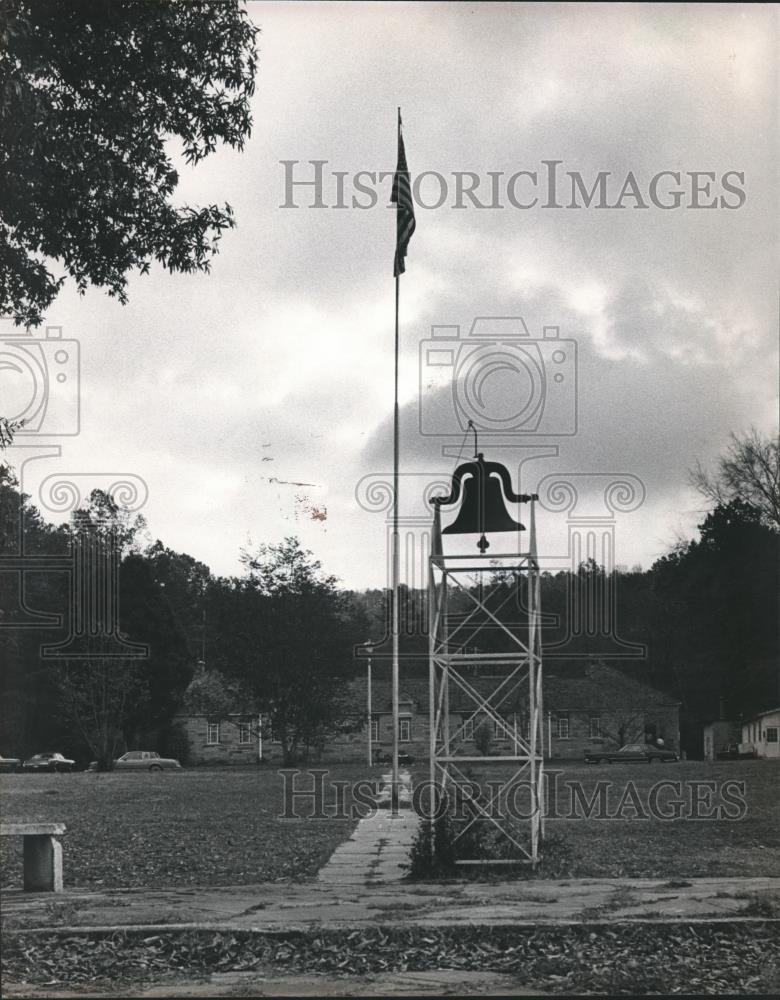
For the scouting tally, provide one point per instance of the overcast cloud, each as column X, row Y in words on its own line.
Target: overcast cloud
column 254, row 400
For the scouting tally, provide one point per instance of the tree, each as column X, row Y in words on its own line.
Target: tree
column 749, row 471
column 99, row 696
column 8, row 429
column 31, row 604
column 714, row 614
column 146, row 616
column 107, row 696
column 483, row 737
column 289, row 634
column 185, row 582
column 90, row 92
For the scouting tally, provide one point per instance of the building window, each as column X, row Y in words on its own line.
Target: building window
column 212, row 735
column 771, row 734
column 404, row 730
column 594, row 727
column 499, row 732
column 468, row 729
column 374, row 730
column 562, row 724
column 245, row 732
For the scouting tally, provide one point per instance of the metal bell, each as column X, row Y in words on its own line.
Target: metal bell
column 482, row 510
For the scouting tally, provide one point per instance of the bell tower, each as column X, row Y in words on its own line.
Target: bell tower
column 485, row 670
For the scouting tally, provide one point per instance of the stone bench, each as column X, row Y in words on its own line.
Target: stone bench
column 42, row 853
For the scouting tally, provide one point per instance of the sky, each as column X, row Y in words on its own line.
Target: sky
column 256, row 402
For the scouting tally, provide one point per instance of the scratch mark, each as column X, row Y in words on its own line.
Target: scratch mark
column 290, row 482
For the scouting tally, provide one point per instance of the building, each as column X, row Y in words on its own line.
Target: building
column 760, row 734
column 214, row 725
column 600, row 706
column 718, row 735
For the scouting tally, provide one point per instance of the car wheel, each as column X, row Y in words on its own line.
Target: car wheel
column 604, row 760
column 155, row 767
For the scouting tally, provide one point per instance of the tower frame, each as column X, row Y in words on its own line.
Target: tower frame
column 515, row 668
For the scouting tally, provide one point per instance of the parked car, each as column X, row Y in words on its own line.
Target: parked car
column 737, row 751
column 9, row 763
column 404, row 759
column 49, row 761
column 631, row 752
column 141, row 760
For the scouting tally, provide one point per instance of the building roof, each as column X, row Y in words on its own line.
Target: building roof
column 596, row 687
column 758, row 715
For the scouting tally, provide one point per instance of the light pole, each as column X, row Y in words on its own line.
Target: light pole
column 369, row 648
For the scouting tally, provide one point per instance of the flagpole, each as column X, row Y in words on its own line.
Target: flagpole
column 395, row 545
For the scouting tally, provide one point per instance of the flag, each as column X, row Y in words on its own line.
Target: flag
column 402, row 197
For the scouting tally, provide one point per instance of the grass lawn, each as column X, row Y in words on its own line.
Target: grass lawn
column 637, row 847
column 688, row 846
column 191, row 827
column 221, row 827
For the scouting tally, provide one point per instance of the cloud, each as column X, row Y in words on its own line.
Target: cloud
column 289, row 341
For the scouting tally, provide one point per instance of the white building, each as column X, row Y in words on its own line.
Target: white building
column 762, row 732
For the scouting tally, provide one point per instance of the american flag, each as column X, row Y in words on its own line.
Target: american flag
column 402, row 196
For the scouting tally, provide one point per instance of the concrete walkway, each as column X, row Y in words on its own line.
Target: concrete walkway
column 362, row 884
column 377, row 853
column 308, row 906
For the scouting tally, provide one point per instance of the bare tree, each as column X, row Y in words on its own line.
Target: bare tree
column 750, row 471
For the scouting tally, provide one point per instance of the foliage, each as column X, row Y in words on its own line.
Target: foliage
column 146, row 617
column 749, row 472
column 7, row 430
column 99, row 696
column 483, row 737
column 90, row 93
column 30, row 609
column 714, row 613
column 627, row 959
column 45, row 703
column 284, row 634
column 288, row 633
column 433, row 850
column 184, row 582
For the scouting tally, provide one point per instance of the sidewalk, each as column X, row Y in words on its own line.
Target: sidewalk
column 352, row 903
column 363, row 887
column 363, row 884
column 377, row 853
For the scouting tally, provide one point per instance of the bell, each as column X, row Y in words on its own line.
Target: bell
column 482, row 510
